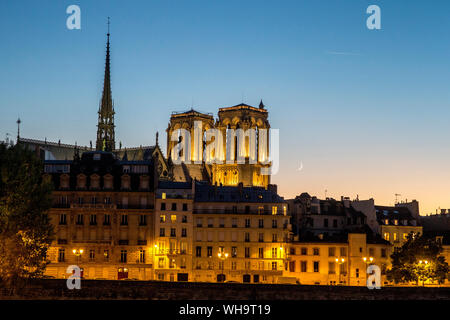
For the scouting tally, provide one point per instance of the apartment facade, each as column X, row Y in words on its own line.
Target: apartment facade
column 173, row 223
column 240, row 234
column 343, row 261
column 102, row 214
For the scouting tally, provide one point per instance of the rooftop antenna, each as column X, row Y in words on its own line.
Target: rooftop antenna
column 326, row 194
column 18, row 129
column 396, row 197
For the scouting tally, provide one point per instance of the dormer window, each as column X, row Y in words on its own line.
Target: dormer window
column 143, row 182
column 125, row 182
column 386, row 221
column 97, row 156
column 81, row 181
column 126, row 169
column 396, row 222
column 108, row 181
column 64, row 181
column 95, row 181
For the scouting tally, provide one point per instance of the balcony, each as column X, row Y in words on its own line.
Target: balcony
column 92, row 206
column 231, row 211
column 134, row 206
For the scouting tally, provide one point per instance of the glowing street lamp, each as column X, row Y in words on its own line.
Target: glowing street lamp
column 222, row 256
column 340, row 262
column 78, row 253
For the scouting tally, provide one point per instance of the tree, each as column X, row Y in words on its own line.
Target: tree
column 418, row 260
column 25, row 229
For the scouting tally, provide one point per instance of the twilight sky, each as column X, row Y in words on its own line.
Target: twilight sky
column 364, row 111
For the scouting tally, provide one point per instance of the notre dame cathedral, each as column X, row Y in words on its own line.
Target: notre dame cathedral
column 227, row 173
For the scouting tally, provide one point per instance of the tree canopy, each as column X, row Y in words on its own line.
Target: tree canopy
column 25, row 230
column 418, row 260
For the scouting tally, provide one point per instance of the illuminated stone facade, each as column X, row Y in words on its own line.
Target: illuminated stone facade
column 237, row 156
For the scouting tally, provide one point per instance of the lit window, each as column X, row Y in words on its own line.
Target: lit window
column 386, row 236
column 173, row 218
column 274, row 210
column 162, row 218
column 163, row 196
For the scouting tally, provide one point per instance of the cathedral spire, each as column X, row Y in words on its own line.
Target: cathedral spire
column 105, row 127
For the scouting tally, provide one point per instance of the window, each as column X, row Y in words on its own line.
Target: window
column 371, row 252
column 274, row 252
column 316, row 266
column 209, row 252
column 106, row 255
column 163, row 206
column 261, row 223
column 274, row 210
column 234, row 223
column 405, row 236
column 123, row 220
column 335, row 223
column 61, row 255
column 93, row 219
column 247, row 223
column 386, row 236
column 142, row 220
column 247, row 237
column 394, row 236
column 303, row 265
column 141, row 256
column 247, row 252
column 163, row 196
column 162, row 218
column 325, row 223
column 123, row 256
column 91, row 255
column 292, row 266
column 274, row 264
column 343, row 252
column 185, row 207
column 183, row 232
column 331, row 252
column 161, row 264
column 274, row 237
column 80, row 219
column 174, row 206
column 261, row 253
column 304, row 251
column 331, row 267
column 173, row 218
column 210, row 222
column 198, row 251
column 183, row 246
column 62, row 219
column 199, row 222
column 233, row 252
column 173, row 232
column 106, row 220
column 261, row 237
column 316, row 251
column 357, row 273
column 162, row 232
column 274, row 223
column 184, row 219
column 233, row 265
column 383, row 253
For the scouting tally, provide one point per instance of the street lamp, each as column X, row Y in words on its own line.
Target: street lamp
column 367, row 261
column 222, row 256
column 340, row 262
column 78, row 253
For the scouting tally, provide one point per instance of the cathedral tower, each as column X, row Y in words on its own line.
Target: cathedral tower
column 105, row 127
